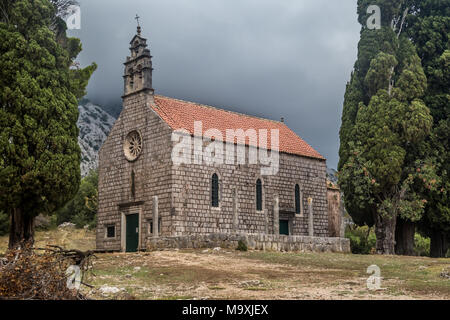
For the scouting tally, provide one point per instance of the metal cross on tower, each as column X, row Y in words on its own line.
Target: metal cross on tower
column 138, row 25
column 137, row 19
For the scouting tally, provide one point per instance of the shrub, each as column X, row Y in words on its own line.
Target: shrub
column 242, row 246
column 421, row 245
column 362, row 239
column 82, row 209
column 82, row 219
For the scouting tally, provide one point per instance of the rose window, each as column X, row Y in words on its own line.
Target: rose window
column 133, row 145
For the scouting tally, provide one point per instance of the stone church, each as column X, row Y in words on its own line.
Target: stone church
column 148, row 200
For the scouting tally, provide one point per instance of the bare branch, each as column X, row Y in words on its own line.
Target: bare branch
column 405, row 14
column 25, row 274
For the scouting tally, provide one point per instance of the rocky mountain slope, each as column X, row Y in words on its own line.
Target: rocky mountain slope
column 94, row 124
column 332, row 175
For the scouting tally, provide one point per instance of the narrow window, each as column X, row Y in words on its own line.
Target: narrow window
column 215, row 190
column 259, row 195
column 133, row 185
column 151, row 225
column 111, row 232
column 297, row 199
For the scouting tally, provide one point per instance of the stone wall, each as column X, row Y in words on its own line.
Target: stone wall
column 253, row 241
column 191, row 193
column 152, row 173
column 334, row 211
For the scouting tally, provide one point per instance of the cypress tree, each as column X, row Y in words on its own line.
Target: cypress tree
column 384, row 125
column 429, row 29
column 39, row 88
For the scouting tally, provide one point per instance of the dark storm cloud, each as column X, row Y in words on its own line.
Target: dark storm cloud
column 270, row 58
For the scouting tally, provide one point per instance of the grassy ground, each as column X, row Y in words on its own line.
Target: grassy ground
column 230, row 274
column 68, row 238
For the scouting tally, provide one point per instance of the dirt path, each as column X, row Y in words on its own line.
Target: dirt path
column 230, row 274
column 225, row 274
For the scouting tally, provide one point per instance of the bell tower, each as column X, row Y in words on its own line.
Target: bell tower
column 138, row 67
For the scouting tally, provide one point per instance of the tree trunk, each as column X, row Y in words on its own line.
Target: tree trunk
column 404, row 237
column 439, row 244
column 21, row 229
column 385, row 233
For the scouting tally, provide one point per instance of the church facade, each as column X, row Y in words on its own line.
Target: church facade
column 165, row 173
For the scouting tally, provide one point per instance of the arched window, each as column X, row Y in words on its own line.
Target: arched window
column 297, row 199
column 259, row 205
column 215, row 190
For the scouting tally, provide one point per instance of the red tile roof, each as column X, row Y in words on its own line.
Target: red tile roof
column 180, row 114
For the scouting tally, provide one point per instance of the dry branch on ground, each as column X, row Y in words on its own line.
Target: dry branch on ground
column 42, row 273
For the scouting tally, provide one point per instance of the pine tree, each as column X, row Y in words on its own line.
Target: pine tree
column 39, row 88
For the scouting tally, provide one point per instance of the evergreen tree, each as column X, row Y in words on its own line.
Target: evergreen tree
column 429, row 29
column 384, row 125
column 39, row 88
column 82, row 209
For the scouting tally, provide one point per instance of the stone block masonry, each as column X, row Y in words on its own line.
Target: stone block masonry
column 269, row 242
column 151, row 171
column 237, row 211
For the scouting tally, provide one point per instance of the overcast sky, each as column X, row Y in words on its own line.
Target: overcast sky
column 269, row 58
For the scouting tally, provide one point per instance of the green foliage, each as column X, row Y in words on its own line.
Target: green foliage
column 242, row 246
column 421, row 245
column 362, row 239
column 429, row 31
column 385, row 161
column 4, row 223
column 53, row 221
column 82, row 209
column 379, row 73
column 39, row 152
column 376, row 57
